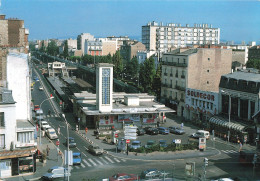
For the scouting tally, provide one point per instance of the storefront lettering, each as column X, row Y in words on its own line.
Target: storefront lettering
column 200, row 95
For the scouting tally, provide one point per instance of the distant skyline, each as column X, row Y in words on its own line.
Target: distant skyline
column 45, row 19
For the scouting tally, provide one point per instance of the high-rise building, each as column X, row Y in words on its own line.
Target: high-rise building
column 81, row 41
column 164, row 37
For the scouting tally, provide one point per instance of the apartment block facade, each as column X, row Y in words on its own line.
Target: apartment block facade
column 165, row 37
column 198, row 69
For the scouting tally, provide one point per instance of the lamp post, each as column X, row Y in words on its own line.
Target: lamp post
column 63, row 115
column 229, row 112
column 41, row 117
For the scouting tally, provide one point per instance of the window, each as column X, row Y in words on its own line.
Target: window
column 207, row 70
column 25, row 137
column 105, row 86
column 2, row 119
column 192, row 101
column 207, row 82
column 184, row 61
column 208, row 59
column 2, row 140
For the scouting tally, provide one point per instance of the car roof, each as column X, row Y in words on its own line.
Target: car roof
column 151, row 169
column 136, row 142
column 44, row 122
column 150, row 141
column 76, row 153
column 51, row 129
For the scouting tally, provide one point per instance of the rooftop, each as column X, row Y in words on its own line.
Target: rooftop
column 6, row 96
column 248, row 76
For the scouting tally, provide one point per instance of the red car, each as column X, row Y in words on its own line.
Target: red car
column 36, row 108
column 123, row 176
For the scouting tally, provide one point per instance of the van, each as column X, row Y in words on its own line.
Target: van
column 201, row 134
column 56, row 172
column 76, row 158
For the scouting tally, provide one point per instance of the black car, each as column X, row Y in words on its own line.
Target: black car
column 140, row 131
column 152, row 131
column 146, row 129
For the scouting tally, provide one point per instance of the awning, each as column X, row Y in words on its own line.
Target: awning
column 224, row 123
column 17, row 153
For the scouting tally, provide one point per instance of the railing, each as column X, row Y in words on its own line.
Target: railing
column 180, row 88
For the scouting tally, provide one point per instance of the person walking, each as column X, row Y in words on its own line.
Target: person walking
column 47, row 150
column 58, row 130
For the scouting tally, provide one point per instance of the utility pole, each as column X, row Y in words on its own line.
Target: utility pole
column 206, row 163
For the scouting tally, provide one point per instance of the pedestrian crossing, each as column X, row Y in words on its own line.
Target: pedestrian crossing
column 230, row 151
column 94, row 162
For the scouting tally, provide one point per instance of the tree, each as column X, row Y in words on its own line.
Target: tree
column 253, row 63
column 147, row 74
column 118, row 64
column 157, row 81
column 52, row 48
column 42, row 49
column 66, row 49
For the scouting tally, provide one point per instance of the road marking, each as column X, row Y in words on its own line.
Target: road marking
column 85, row 147
column 85, row 161
column 123, row 160
column 116, row 160
column 77, row 167
column 92, row 162
column 109, row 159
column 229, row 151
column 82, row 165
column 104, row 160
column 77, row 148
column 84, row 154
column 99, row 161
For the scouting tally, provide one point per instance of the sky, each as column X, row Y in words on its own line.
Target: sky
column 238, row 20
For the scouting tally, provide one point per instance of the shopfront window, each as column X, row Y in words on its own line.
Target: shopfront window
column 25, row 165
column 5, row 164
column 2, row 141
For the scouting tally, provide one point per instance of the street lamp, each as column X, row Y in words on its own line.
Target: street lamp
column 63, row 115
column 41, row 117
column 229, row 111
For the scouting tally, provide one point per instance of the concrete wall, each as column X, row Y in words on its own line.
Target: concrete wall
column 109, row 47
column 3, row 32
column 135, row 48
column 19, row 82
column 3, row 53
column 239, row 56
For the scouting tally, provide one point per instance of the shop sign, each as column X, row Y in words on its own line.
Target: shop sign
column 128, row 117
column 201, row 95
column 202, row 143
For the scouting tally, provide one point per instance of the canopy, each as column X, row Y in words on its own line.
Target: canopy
column 224, row 123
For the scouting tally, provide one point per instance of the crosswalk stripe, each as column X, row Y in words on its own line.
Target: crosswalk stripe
column 92, row 162
column 86, row 162
column 77, row 167
column 109, row 159
column 82, row 165
column 104, row 160
column 123, row 160
column 99, row 162
column 229, row 151
column 116, row 160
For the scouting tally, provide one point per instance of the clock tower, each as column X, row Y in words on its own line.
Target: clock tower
column 104, row 87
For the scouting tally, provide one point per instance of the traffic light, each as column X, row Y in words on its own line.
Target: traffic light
column 206, row 162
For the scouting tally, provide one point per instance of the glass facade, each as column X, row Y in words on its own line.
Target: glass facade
column 106, row 86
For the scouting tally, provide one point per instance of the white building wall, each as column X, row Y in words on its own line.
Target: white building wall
column 18, row 79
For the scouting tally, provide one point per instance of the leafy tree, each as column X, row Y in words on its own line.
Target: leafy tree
column 42, row 49
column 132, row 68
column 253, row 63
column 32, row 46
column 147, row 74
column 157, row 81
column 52, row 48
column 66, row 49
column 118, row 64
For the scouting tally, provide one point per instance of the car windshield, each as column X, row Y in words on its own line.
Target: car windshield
column 95, row 147
column 76, row 156
column 52, row 132
column 135, row 143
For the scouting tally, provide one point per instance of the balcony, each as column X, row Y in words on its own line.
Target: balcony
column 165, row 74
column 180, row 88
column 175, row 64
column 171, row 75
column 183, row 76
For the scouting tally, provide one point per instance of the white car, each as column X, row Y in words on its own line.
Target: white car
column 51, row 133
column 40, row 88
column 45, row 125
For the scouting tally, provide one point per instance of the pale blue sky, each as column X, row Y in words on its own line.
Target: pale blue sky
column 238, row 20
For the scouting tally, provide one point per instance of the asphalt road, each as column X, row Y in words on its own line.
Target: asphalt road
column 225, row 164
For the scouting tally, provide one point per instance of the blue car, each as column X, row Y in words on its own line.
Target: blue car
column 163, row 130
column 76, row 158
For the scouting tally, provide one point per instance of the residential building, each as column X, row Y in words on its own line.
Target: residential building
column 119, row 39
column 164, row 37
column 93, row 47
column 143, row 55
column 109, row 46
column 81, row 41
column 254, row 52
column 130, row 48
column 72, row 44
column 198, row 69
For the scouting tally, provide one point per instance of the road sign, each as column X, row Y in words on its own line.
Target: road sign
column 57, row 143
column 116, row 135
column 177, row 141
column 127, row 141
column 202, row 143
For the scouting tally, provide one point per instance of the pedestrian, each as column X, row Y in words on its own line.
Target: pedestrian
column 182, row 125
column 240, row 145
column 47, row 150
column 58, row 130
column 49, row 112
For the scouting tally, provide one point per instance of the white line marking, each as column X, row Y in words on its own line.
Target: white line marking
column 92, row 162
column 77, row 167
column 85, row 147
column 104, row 160
column 77, row 148
column 233, row 151
column 116, row 160
column 84, row 154
column 85, row 161
column 99, row 161
column 109, row 159
column 82, row 165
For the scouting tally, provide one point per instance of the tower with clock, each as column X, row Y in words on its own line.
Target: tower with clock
column 104, row 87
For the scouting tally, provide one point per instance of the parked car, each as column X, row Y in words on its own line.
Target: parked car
column 40, row 88
column 176, row 130
column 123, row 176
column 150, row 144
column 152, row 131
column 76, row 158
column 163, row 143
column 72, row 142
column 153, row 173
column 45, row 125
column 94, row 149
column 224, row 179
column 56, row 172
column 163, row 130
column 51, row 133
column 36, row 108
column 140, row 131
column 201, row 134
column 135, row 145
column 146, row 129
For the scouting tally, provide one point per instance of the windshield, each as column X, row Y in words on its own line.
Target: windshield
column 76, row 156
column 135, row 143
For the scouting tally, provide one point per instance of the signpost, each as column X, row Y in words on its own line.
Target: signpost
column 57, row 143
column 127, row 142
column 202, row 144
column 130, row 132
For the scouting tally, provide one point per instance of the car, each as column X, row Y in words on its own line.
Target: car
column 76, row 158
column 163, row 130
column 152, row 131
column 135, row 145
column 163, row 143
column 153, row 173
column 123, row 176
column 150, row 144
column 200, row 134
column 176, row 130
column 40, row 88
column 72, row 142
column 140, row 131
column 36, row 108
column 56, row 172
column 146, row 129
column 51, row 133
column 224, row 179
column 45, row 125
column 94, row 149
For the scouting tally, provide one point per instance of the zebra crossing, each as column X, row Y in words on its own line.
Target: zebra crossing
column 93, row 162
column 230, row 151
column 50, row 116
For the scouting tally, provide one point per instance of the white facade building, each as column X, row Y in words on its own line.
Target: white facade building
column 163, row 38
column 142, row 55
column 81, row 41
